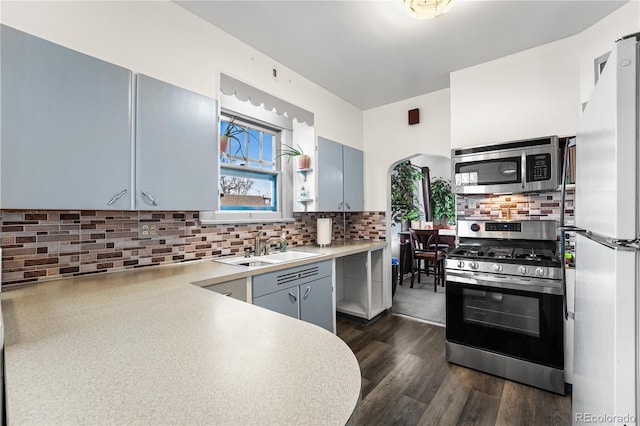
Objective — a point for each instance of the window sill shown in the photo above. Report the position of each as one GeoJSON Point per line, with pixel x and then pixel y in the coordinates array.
{"type": "Point", "coordinates": [204, 220]}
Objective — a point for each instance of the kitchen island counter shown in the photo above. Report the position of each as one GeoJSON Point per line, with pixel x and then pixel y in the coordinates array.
{"type": "Point", "coordinates": [148, 347]}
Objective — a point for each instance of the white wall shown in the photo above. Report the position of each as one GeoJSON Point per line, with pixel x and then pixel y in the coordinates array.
{"type": "Point", "coordinates": [529, 94]}
{"type": "Point", "coordinates": [438, 166]}
{"type": "Point", "coordinates": [165, 41]}
{"type": "Point", "coordinates": [599, 39]}
{"type": "Point", "coordinates": [536, 92]}
{"type": "Point", "coordinates": [389, 139]}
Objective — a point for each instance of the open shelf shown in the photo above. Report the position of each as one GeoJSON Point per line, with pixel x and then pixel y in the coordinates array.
{"type": "Point", "coordinates": [359, 289]}
{"type": "Point", "coordinates": [304, 202]}
{"type": "Point", "coordinates": [303, 173]}
{"type": "Point", "coordinates": [351, 307]}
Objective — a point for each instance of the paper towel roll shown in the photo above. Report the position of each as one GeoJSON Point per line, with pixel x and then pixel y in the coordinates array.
{"type": "Point", "coordinates": [323, 237]}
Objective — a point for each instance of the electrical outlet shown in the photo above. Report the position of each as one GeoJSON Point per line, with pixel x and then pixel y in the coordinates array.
{"type": "Point", "coordinates": [147, 230]}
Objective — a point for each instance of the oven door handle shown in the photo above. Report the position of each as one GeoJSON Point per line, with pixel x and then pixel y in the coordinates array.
{"type": "Point", "coordinates": [513, 283]}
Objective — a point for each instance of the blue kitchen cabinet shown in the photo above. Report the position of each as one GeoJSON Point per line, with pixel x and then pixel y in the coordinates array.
{"type": "Point", "coordinates": [340, 177]}
{"type": "Point", "coordinates": [303, 292]}
{"type": "Point", "coordinates": [330, 176]}
{"type": "Point", "coordinates": [236, 289]}
{"type": "Point", "coordinates": [316, 303]}
{"type": "Point", "coordinates": [353, 184]}
{"type": "Point", "coordinates": [282, 301]}
{"type": "Point", "coordinates": [66, 127]}
{"type": "Point", "coordinates": [176, 147]}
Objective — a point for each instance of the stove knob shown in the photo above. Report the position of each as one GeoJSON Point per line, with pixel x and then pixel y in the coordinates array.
{"type": "Point", "coordinates": [523, 270]}
{"type": "Point", "coordinates": [460, 264]}
{"type": "Point", "coordinates": [473, 265]}
{"type": "Point", "coordinates": [497, 267]}
{"type": "Point", "coordinates": [540, 272]}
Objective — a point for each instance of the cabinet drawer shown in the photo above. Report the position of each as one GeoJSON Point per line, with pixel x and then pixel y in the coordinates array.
{"type": "Point", "coordinates": [236, 289]}
{"type": "Point", "coordinates": [287, 278]}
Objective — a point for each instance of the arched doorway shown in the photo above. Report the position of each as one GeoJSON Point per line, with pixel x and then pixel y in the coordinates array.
{"type": "Point", "coordinates": [420, 302]}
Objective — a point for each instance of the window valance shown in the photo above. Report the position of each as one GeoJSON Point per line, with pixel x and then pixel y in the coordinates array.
{"type": "Point", "coordinates": [244, 92]}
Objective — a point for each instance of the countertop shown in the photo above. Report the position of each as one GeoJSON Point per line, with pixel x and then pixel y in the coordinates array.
{"type": "Point", "coordinates": [149, 347]}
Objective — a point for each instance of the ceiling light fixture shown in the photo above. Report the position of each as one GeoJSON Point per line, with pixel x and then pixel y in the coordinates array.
{"type": "Point", "coordinates": [427, 9]}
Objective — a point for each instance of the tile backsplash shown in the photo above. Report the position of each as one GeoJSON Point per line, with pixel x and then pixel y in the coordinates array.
{"type": "Point", "coordinates": [40, 245]}
{"type": "Point", "coordinates": [533, 206]}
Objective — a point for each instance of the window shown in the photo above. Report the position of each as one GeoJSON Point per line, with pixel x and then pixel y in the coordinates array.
{"type": "Point", "coordinates": [248, 169]}
{"type": "Point", "coordinates": [254, 185]}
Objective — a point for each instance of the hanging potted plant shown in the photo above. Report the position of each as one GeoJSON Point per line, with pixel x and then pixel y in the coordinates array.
{"type": "Point", "coordinates": [231, 133]}
{"type": "Point", "coordinates": [302, 160]}
{"type": "Point", "coordinates": [443, 201]}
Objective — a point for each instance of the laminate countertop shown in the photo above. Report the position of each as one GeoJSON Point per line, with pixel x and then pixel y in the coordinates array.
{"type": "Point", "coordinates": [149, 347]}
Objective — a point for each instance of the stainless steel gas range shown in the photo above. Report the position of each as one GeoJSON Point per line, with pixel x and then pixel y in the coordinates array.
{"type": "Point", "coordinates": [505, 302]}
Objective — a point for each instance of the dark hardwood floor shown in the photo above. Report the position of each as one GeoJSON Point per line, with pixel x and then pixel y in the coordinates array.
{"type": "Point", "coordinates": [406, 381]}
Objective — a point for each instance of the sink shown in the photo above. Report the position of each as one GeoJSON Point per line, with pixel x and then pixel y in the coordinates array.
{"type": "Point", "coordinates": [253, 263]}
{"type": "Point", "coordinates": [270, 259]}
{"type": "Point", "coordinates": [245, 261]}
{"type": "Point", "coordinates": [288, 256]}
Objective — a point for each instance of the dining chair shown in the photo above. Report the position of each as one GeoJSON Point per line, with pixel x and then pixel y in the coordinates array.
{"type": "Point", "coordinates": [427, 250]}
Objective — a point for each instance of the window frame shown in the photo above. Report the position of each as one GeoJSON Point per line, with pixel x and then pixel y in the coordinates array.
{"type": "Point", "coordinates": [283, 126]}
{"type": "Point", "coordinates": [262, 129]}
{"type": "Point", "coordinates": [243, 170]}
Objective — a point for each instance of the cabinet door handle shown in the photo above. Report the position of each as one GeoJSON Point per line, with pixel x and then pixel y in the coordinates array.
{"type": "Point", "coordinates": [149, 197]}
{"type": "Point", "coordinates": [348, 206]}
{"type": "Point", "coordinates": [293, 297]}
{"type": "Point", "coordinates": [227, 294]}
{"type": "Point", "coordinates": [306, 292]}
{"type": "Point", "coordinates": [117, 197]}
{"type": "Point", "coordinates": [340, 205]}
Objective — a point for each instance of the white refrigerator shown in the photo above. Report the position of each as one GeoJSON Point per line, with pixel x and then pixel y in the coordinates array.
{"type": "Point", "coordinates": [605, 382]}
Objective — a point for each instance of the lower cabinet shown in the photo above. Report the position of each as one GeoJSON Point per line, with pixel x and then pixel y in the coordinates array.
{"type": "Point", "coordinates": [316, 303]}
{"type": "Point", "coordinates": [283, 301]}
{"type": "Point", "coordinates": [303, 292]}
{"type": "Point", "coordinates": [236, 289]}
{"type": "Point", "coordinates": [359, 284]}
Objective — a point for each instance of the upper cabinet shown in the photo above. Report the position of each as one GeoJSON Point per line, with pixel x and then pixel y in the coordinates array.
{"type": "Point", "coordinates": [176, 148]}
{"type": "Point", "coordinates": [67, 134]}
{"type": "Point", "coordinates": [66, 127]}
{"type": "Point", "coordinates": [353, 179]}
{"type": "Point", "coordinates": [340, 177]}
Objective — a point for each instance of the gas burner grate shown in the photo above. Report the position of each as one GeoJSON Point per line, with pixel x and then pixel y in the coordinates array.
{"type": "Point", "coordinates": [500, 252]}
{"type": "Point", "coordinates": [473, 251]}
{"type": "Point", "coordinates": [534, 255]}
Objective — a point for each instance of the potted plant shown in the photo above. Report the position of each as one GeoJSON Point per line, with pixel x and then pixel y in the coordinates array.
{"type": "Point", "coordinates": [405, 206]}
{"type": "Point", "coordinates": [302, 159]}
{"type": "Point", "coordinates": [443, 201]}
{"type": "Point", "coordinates": [232, 132]}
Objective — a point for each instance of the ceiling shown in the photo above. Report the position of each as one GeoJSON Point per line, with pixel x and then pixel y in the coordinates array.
{"type": "Point", "coordinates": [371, 53]}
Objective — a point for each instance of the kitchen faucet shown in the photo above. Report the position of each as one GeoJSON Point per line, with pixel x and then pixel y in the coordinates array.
{"type": "Point", "coordinates": [260, 247]}
{"type": "Point", "coordinates": [256, 245]}
{"type": "Point", "coordinates": [267, 244]}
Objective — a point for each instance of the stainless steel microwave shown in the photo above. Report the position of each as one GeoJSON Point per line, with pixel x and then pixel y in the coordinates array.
{"type": "Point", "coordinates": [529, 165]}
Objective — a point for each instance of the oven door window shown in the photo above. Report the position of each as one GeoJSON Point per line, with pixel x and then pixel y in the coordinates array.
{"type": "Point", "coordinates": [493, 172]}
{"type": "Point", "coordinates": [506, 312]}
{"type": "Point", "coordinates": [519, 324]}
